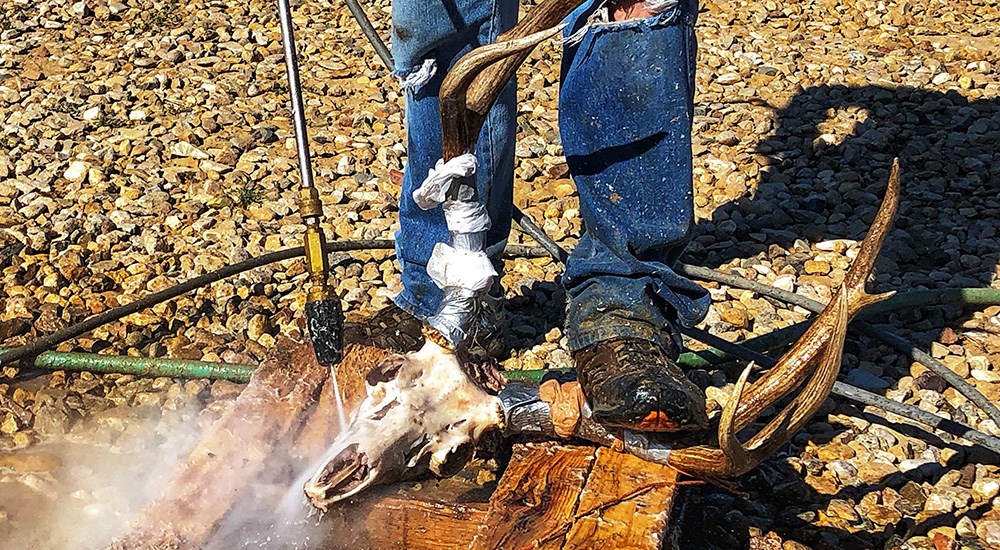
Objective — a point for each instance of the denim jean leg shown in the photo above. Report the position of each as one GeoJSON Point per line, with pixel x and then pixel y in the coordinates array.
{"type": "Point", "coordinates": [625, 110]}
{"type": "Point", "coordinates": [443, 31]}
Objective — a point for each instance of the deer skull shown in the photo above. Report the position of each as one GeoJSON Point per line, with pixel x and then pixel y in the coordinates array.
{"type": "Point", "coordinates": [422, 414]}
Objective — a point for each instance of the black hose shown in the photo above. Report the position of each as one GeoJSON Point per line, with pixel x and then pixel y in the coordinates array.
{"type": "Point", "coordinates": [369, 31]}
{"type": "Point", "coordinates": [529, 227]}
{"type": "Point", "coordinates": [901, 345]}
{"type": "Point", "coordinates": [49, 341]}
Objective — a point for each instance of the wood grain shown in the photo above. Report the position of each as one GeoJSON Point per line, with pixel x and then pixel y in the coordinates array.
{"type": "Point", "coordinates": [536, 498]}
{"type": "Point", "coordinates": [419, 525]}
{"type": "Point", "coordinates": [625, 503]}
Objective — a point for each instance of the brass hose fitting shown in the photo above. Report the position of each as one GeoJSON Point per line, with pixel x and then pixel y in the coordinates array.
{"type": "Point", "coordinates": [311, 210]}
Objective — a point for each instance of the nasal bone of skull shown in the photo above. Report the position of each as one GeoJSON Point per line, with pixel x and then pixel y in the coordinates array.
{"type": "Point", "coordinates": [315, 494]}
{"type": "Point", "coordinates": [336, 472]}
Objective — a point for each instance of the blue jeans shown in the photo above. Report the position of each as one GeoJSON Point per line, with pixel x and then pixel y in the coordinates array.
{"type": "Point", "coordinates": [625, 109]}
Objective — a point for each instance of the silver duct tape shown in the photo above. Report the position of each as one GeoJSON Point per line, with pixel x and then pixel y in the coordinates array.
{"type": "Point", "coordinates": [660, 6]}
{"type": "Point", "coordinates": [473, 242]}
{"type": "Point", "coordinates": [454, 316]}
{"type": "Point", "coordinates": [465, 274]}
{"type": "Point", "coordinates": [641, 446]}
{"type": "Point", "coordinates": [524, 412]}
{"type": "Point", "coordinates": [592, 431]}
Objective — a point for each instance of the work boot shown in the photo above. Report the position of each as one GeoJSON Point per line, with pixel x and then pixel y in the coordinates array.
{"type": "Point", "coordinates": [392, 328]}
{"type": "Point", "coordinates": [395, 329]}
{"type": "Point", "coordinates": [635, 384]}
{"type": "Point", "coordinates": [487, 335]}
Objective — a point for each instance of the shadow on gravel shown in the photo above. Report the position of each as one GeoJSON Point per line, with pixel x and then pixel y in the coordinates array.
{"type": "Point", "coordinates": [534, 308]}
{"type": "Point", "coordinates": [820, 187]}
{"type": "Point", "coordinates": [817, 187]}
{"type": "Point", "coordinates": [780, 501]}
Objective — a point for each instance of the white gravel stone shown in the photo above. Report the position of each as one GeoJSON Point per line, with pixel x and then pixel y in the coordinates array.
{"type": "Point", "coordinates": [77, 171]}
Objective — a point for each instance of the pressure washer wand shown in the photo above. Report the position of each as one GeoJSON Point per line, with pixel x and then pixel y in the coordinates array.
{"type": "Point", "coordinates": [324, 315]}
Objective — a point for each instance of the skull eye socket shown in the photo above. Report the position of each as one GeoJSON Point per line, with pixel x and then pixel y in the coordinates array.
{"type": "Point", "coordinates": [456, 460]}
{"type": "Point", "coordinates": [385, 371]}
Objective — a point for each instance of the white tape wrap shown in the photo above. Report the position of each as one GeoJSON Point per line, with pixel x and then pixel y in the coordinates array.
{"type": "Point", "coordinates": [466, 217]}
{"type": "Point", "coordinates": [434, 188]}
{"type": "Point", "coordinates": [452, 268]}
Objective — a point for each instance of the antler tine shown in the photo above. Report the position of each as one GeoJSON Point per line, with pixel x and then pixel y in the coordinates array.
{"type": "Point", "coordinates": [872, 243]}
{"type": "Point", "coordinates": [821, 346]}
{"type": "Point", "coordinates": [792, 368]}
{"type": "Point", "coordinates": [730, 446]}
{"type": "Point", "coordinates": [794, 416]}
{"type": "Point", "coordinates": [460, 125]}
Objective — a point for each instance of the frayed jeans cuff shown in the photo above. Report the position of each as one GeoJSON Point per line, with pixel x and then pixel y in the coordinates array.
{"type": "Point", "coordinates": [637, 330]}
{"type": "Point", "coordinates": [414, 78]}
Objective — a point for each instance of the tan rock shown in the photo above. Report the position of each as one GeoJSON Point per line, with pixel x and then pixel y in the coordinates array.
{"type": "Point", "coordinates": [814, 267]}
{"type": "Point", "coordinates": [737, 317]}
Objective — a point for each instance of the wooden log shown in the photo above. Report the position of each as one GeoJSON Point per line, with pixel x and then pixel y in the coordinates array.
{"type": "Point", "coordinates": [226, 460]}
{"type": "Point", "coordinates": [420, 525]}
{"type": "Point", "coordinates": [322, 420]}
{"type": "Point", "coordinates": [626, 503]}
{"type": "Point", "coordinates": [560, 497]}
{"type": "Point", "coordinates": [550, 496]}
{"type": "Point", "coordinates": [536, 498]}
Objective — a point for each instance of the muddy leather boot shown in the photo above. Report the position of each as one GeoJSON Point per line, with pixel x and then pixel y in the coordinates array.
{"type": "Point", "coordinates": [395, 329]}
{"type": "Point", "coordinates": [633, 383]}
{"type": "Point", "coordinates": [391, 328]}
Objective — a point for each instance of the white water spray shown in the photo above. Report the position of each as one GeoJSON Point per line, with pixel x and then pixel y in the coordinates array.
{"type": "Point", "coordinates": [338, 402]}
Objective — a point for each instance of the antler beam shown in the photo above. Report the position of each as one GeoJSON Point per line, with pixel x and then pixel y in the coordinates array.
{"type": "Point", "coordinates": [473, 84]}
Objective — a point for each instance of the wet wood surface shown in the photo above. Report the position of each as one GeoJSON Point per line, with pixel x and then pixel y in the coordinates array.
{"type": "Point", "coordinates": [536, 498]}
{"type": "Point", "coordinates": [321, 420]}
{"type": "Point", "coordinates": [416, 524]}
{"type": "Point", "coordinates": [552, 496]}
{"type": "Point", "coordinates": [625, 503]}
{"type": "Point", "coordinates": [221, 467]}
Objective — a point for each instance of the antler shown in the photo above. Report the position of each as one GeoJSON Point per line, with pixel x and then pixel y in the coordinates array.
{"type": "Point", "coordinates": [473, 84]}
{"type": "Point", "coordinates": [818, 352]}
{"type": "Point", "coordinates": [821, 346]}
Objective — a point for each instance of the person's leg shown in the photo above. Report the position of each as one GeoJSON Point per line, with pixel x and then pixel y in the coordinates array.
{"type": "Point", "coordinates": [625, 112]}
{"type": "Point", "coordinates": [442, 32]}
{"type": "Point", "coordinates": [428, 37]}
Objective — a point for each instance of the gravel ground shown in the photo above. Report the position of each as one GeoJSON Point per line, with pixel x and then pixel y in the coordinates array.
{"type": "Point", "coordinates": [144, 143]}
